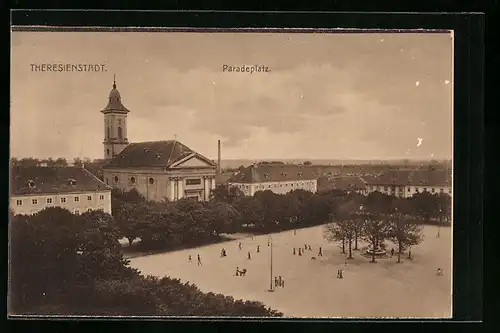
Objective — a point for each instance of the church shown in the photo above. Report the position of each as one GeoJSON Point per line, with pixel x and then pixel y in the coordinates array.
{"type": "Point", "coordinates": [158, 170]}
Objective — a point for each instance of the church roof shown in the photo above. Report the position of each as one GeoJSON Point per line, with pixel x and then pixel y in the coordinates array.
{"type": "Point", "coordinates": [262, 173]}
{"type": "Point", "coordinates": [115, 102]}
{"type": "Point", "coordinates": [48, 180]}
{"type": "Point", "coordinates": [152, 154]}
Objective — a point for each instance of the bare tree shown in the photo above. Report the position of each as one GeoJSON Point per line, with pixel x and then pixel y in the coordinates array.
{"type": "Point", "coordinates": [375, 231]}
{"type": "Point", "coordinates": [358, 227]}
{"type": "Point", "coordinates": [335, 232]}
{"type": "Point", "coordinates": [404, 233]}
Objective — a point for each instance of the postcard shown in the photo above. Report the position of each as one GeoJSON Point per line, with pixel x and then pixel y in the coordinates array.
{"type": "Point", "coordinates": [197, 173]}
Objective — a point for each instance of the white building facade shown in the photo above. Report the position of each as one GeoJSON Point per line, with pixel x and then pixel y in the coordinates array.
{"type": "Point", "coordinates": [279, 179]}
{"type": "Point", "coordinates": [162, 170]}
{"type": "Point", "coordinates": [75, 189]}
{"type": "Point", "coordinates": [407, 183]}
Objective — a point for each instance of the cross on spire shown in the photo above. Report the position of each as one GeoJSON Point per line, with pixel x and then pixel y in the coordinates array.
{"type": "Point", "coordinates": [175, 137]}
{"type": "Point", "coordinates": [114, 81]}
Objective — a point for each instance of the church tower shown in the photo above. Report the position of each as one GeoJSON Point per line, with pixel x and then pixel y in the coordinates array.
{"type": "Point", "coordinates": [115, 124]}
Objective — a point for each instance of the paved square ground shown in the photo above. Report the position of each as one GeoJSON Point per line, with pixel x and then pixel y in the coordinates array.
{"type": "Point", "coordinates": [383, 289]}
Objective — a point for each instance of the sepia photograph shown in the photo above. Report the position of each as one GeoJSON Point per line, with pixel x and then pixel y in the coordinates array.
{"type": "Point", "coordinates": [233, 173]}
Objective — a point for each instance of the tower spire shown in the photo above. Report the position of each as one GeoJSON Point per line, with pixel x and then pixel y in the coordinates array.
{"type": "Point", "coordinates": [114, 81]}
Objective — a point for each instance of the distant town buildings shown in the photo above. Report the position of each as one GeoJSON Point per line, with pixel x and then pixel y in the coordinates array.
{"type": "Point", "coordinates": [73, 188]}
{"type": "Point", "coordinates": [158, 170]}
{"type": "Point", "coordinates": [278, 178]}
{"type": "Point", "coordinates": [408, 182]}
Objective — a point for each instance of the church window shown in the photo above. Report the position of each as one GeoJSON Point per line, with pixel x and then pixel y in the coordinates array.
{"type": "Point", "coordinates": [108, 135]}
{"type": "Point", "coordinates": [151, 180]}
{"type": "Point", "coordinates": [19, 202]}
{"type": "Point", "coordinates": [101, 197]}
{"type": "Point", "coordinates": [63, 200]}
{"type": "Point", "coordinates": [34, 201]}
{"type": "Point", "coordinates": [132, 180]}
{"type": "Point", "coordinates": [116, 179]}
{"type": "Point", "coordinates": [89, 197]}
{"type": "Point", "coordinates": [120, 134]}
{"type": "Point", "coordinates": [77, 199]}
{"type": "Point", "coordinates": [49, 200]}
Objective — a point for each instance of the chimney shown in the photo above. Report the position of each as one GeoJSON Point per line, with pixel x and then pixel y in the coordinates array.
{"type": "Point", "coordinates": [218, 157]}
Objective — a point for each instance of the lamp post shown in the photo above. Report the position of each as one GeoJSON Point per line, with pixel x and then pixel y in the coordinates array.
{"type": "Point", "coordinates": [440, 221]}
{"type": "Point", "coordinates": [398, 233]}
{"type": "Point", "coordinates": [271, 266]}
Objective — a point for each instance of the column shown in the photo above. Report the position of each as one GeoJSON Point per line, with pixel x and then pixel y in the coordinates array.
{"type": "Point", "coordinates": [171, 196]}
{"type": "Point", "coordinates": [212, 180]}
{"type": "Point", "coordinates": [180, 189]}
{"type": "Point", "coordinates": [206, 188]}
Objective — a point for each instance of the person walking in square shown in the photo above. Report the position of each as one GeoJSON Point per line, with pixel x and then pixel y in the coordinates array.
{"type": "Point", "coordinates": [392, 252]}
{"type": "Point", "coordinates": [249, 256]}
{"type": "Point", "coordinates": [275, 281]}
{"type": "Point", "coordinates": [300, 252]}
{"type": "Point", "coordinates": [237, 271]}
{"type": "Point", "coordinates": [190, 259]}
{"type": "Point", "coordinates": [294, 253]}
{"type": "Point", "coordinates": [320, 253]}
{"type": "Point", "coordinates": [199, 260]}
{"type": "Point", "coordinates": [283, 283]}
{"type": "Point", "coordinates": [280, 280]}
{"type": "Point", "coordinates": [258, 248]}
{"type": "Point", "coordinates": [239, 245]}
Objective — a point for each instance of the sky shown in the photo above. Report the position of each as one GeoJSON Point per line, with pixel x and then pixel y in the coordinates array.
{"type": "Point", "coordinates": [326, 96]}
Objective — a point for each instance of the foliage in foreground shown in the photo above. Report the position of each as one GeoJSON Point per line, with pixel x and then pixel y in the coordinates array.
{"type": "Point", "coordinates": [66, 264]}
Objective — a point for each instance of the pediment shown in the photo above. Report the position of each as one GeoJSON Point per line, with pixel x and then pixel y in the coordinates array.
{"type": "Point", "coordinates": [192, 162]}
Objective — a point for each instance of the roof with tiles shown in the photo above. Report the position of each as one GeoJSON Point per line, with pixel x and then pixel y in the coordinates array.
{"type": "Point", "coordinates": [345, 183]}
{"type": "Point", "coordinates": [274, 173]}
{"type": "Point", "coordinates": [153, 154]}
{"type": "Point", "coordinates": [413, 178]}
{"type": "Point", "coordinates": [47, 180]}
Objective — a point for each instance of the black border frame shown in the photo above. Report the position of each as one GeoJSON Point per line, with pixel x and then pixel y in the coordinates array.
{"type": "Point", "coordinates": [468, 110]}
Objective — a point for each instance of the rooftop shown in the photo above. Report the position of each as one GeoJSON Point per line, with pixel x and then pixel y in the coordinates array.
{"type": "Point", "coordinates": [345, 183]}
{"type": "Point", "coordinates": [273, 173]}
{"type": "Point", "coordinates": [47, 180]}
{"type": "Point", "coordinates": [115, 102]}
{"type": "Point", "coordinates": [153, 154]}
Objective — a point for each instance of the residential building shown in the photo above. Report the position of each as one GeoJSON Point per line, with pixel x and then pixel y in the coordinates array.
{"type": "Point", "coordinates": [405, 183]}
{"type": "Point", "coordinates": [158, 170]}
{"type": "Point", "coordinates": [278, 178]}
{"type": "Point", "coordinates": [74, 188]}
